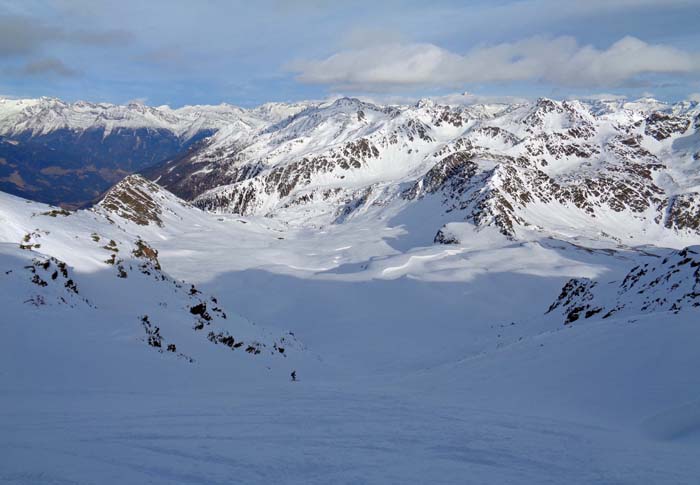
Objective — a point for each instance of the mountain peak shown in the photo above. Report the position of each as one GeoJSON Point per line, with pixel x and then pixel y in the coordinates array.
{"type": "Point", "coordinates": [547, 104]}
{"type": "Point", "coordinates": [137, 199]}
{"type": "Point", "coordinates": [425, 103]}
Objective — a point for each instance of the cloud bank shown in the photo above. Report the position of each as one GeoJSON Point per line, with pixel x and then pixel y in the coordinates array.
{"type": "Point", "coordinates": [21, 35]}
{"type": "Point", "coordinates": [47, 67]}
{"type": "Point", "coordinates": [559, 60]}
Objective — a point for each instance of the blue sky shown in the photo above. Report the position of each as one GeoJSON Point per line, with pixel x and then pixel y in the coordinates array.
{"type": "Point", "coordinates": [249, 52]}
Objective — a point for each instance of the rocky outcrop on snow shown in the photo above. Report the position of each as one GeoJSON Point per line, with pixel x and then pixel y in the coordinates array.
{"type": "Point", "coordinates": [672, 283]}
{"type": "Point", "coordinates": [52, 283]}
{"type": "Point", "coordinates": [683, 212]}
{"type": "Point", "coordinates": [140, 201]}
{"type": "Point", "coordinates": [662, 126]}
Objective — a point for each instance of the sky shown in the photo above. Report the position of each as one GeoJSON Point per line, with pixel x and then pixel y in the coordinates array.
{"type": "Point", "coordinates": [179, 52]}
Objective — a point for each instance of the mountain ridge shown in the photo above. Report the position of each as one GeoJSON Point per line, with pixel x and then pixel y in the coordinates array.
{"type": "Point", "coordinates": [579, 161]}
{"type": "Point", "coordinates": [545, 165]}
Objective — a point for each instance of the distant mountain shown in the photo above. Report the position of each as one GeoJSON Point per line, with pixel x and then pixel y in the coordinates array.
{"type": "Point", "coordinates": [69, 153]}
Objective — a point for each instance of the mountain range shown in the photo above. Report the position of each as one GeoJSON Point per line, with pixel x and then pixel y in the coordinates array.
{"type": "Point", "coordinates": [625, 171]}
{"type": "Point", "coordinates": [499, 291]}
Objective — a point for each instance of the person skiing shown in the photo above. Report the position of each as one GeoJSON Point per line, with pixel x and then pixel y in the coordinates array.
{"type": "Point", "coordinates": [294, 376]}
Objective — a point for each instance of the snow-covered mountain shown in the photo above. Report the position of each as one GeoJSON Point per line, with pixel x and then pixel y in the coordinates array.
{"type": "Point", "coordinates": [460, 291]}
{"type": "Point", "coordinates": [625, 171]}
{"type": "Point", "coordinates": [621, 170]}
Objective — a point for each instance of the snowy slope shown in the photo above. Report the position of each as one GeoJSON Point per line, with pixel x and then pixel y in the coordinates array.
{"type": "Point", "coordinates": [426, 362]}
{"type": "Point", "coordinates": [87, 266]}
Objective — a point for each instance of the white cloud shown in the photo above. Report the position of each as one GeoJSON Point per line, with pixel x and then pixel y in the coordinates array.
{"type": "Point", "coordinates": [466, 99]}
{"type": "Point", "coordinates": [558, 60]}
{"type": "Point", "coordinates": [598, 96]}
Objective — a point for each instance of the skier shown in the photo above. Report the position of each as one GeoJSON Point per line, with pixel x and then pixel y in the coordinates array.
{"type": "Point", "coordinates": [294, 376]}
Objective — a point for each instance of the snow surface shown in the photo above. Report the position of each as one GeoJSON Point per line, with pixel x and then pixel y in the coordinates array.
{"type": "Point", "coordinates": [416, 362]}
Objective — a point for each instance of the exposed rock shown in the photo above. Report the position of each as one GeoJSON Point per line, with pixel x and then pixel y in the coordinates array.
{"type": "Point", "coordinates": [671, 284]}
{"type": "Point", "coordinates": [684, 212]}
{"type": "Point", "coordinates": [662, 125]}
{"type": "Point", "coordinates": [132, 199]}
